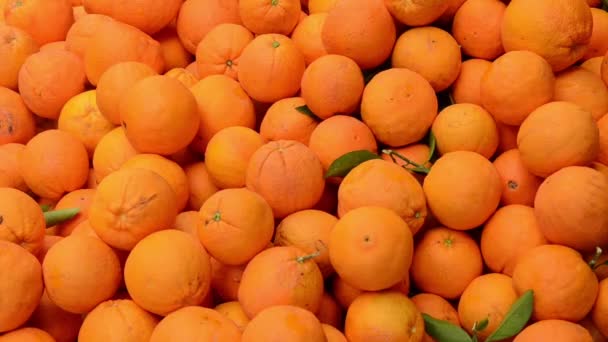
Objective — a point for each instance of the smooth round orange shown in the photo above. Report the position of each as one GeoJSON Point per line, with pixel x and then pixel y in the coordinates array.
{"type": "Point", "coordinates": [197, 17]}
{"type": "Point", "coordinates": [603, 150]}
{"type": "Point", "coordinates": [507, 137]}
{"type": "Point", "coordinates": [80, 34]}
{"type": "Point", "coordinates": [553, 330]}
{"type": "Point", "coordinates": [332, 85]}
{"type": "Point", "coordinates": [112, 150]}
{"type": "Point", "coordinates": [225, 280]}
{"type": "Point", "coordinates": [54, 162]}
{"type": "Point", "coordinates": [279, 322]}
{"type": "Point", "coordinates": [17, 123]}
{"type": "Point", "coordinates": [515, 84]}
{"type": "Point", "coordinates": [80, 272]}
{"type": "Point", "coordinates": [60, 324]}
{"type": "Point", "coordinates": [200, 184]}
{"type": "Point", "coordinates": [409, 98]}
{"type": "Point", "coordinates": [54, 46]}
{"type": "Point", "coordinates": [277, 16]}
{"type": "Point", "coordinates": [489, 296]}
{"type": "Point", "coordinates": [462, 189]}
{"type": "Point", "coordinates": [22, 279]}
{"type": "Point", "coordinates": [362, 30]}
{"type": "Point", "coordinates": [332, 334]}
{"type": "Point", "coordinates": [193, 69]}
{"type": "Point", "coordinates": [344, 292]}
{"type": "Point", "coordinates": [556, 135]}
{"type": "Point", "coordinates": [10, 174]}
{"type": "Point", "coordinates": [330, 312]}
{"type": "Point", "coordinates": [519, 185]}
{"type": "Point", "coordinates": [320, 6]}
{"type": "Point", "coordinates": [271, 68]}
{"type": "Point", "coordinates": [81, 199]}
{"type": "Point", "coordinates": [237, 225]}
{"type": "Point", "coordinates": [81, 117]}
{"type": "Point", "coordinates": [283, 121]}
{"type": "Point", "coordinates": [431, 52]}
{"type": "Point", "coordinates": [301, 184]}
{"type": "Point", "coordinates": [228, 153]}
{"type": "Point", "coordinates": [16, 46]}
{"type": "Point", "coordinates": [503, 243]}
{"type": "Point", "coordinates": [131, 204]}
{"type": "Point", "coordinates": [564, 285]}
{"type": "Point", "coordinates": [21, 220]}
{"type": "Point", "coordinates": [307, 36]}
{"type": "Point", "coordinates": [445, 262]}
{"type": "Point", "coordinates": [597, 43]}
{"type": "Point", "coordinates": [222, 103]}
{"type": "Point", "coordinates": [173, 51]}
{"type": "Point", "coordinates": [166, 168]}
{"type": "Point", "coordinates": [27, 334]}
{"type": "Point", "coordinates": [578, 220]}
{"type": "Point", "coordinates": [48, 79]}
{"type": "Point", "coordinates": [234, 311]}
{"type": "Point", "coordinates": [416, 13]}
{"type": "Point", "coordinates": [466, 88]}
{"type": "Point", "coordinates": [165, 125]}
{"type": "Point", "coordinates": [115, 82]}
{"type": "Point", "coordinates": [185, 282]}
{"type": "Point", "coordinates": [477, 28]}
{"type": "Point", "coordinates": [387, 315]}
{"type": "Point", "coordinates": [193, 323]}
{"type": "Point", "coordinates": [583, 88]}
{"type": "Point", "coordinates": [189, 222]}
{"type": "Point", "coordinates": [522, 29]}
{"type": "Point", "coordinates": [371, 248]}
{"type": "Point", "coordinates": [219, 52]}
{"type": "Point", "coordinates": [46, 21]}
{"type": "Point", "coordinates": [436, 307]}
{"type": "Point", "coordinates": [594, 65]}
{"type": "Point", "coordinates": [465, 127]}
{"type": "Point", "coordinates": [600, 308]}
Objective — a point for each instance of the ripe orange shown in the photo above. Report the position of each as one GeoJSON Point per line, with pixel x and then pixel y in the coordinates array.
{"type": "Point", "coordinates": [436, 307]}
{"type": "Point", "coordinates": [220, 50]}
{"type": "Point", "coordinates": [417, 13]}
{"type": "Point", "coordinates": [173, 51]}
{"type": "Point", "coordinates": [234, 311]}
{"type": "Point", "coordinates": [584, 88]}
{"type": "Point", "coordinates": [225, 280]}
{"type": "Point", "coordinates": [466, 88]}
{"type": "Point", "coordinates": [112, 150]}
{"type": "Point", "coordinates": [46, 21]}
{"type": "Point", "coordinates": [477, 28]}
{"type": "Point", "coordinates": [307, 36]}
{"type": "Point", "coordinates": [81, 32]}
{"type": "Point", "coordinates": [200, 185]}
{"type": "Point", "coordinates": [332, 334]}
{"type": "Point", "coordinates": [27, 334]}
{"type": "Point", "coordinates": [283, 121]}
{"type": "Point", "coordinates": [597, 43]}
{"type": "Point", "coordinates": [594, 65]}
{"type": "Point", "coordinates": [10, 175]}
{"type": "Point", "coordinates": [193, 323]}
{"type": "Point", "coordinates": [553, 330]}
{"type": "Point", "coordinates": [16, 46]}
{"type": "Point", "coordinates": [277, 16]}
{"type": "Point", "coordinates": [80, 199]}
{"type": "Point", "coordinates": [519, 185]}
{"type": "Point", "coordinates": [60, 324]}
{"type": "Point", "coordinates": [17, 124]}
{"type": "Point", "coordinates": [284, 323]}
{"type": "Point", "coordinates": [330, 312]}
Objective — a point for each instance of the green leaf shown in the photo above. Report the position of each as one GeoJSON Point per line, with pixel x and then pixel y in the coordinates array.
{"type": "Point", "coordinates": [444, 331]}
{"type": "Point", "coordinates": [516, 319]}
{"type": "Point", "coordinates": [306, 111]}
{"type": "Point", "coordinates": [55, 217]}
{"type": "Point", "coordinates": [45, 207]}
{"type": "Point", "coordinates": [432, 145]}
{"type": "Point", "coordinates": [342, 166]}
{"type": "Point", "coordinates": [605, 5]}
{"type": "Point", "coordinates": [481, 325]}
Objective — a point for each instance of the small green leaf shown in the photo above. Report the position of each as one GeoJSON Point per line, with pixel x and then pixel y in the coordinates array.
{"type": "Point", "coordinates": [481, 325]}
{"type": "Point", "coordinates": [444, 331]}
{"type": "Point", "coordinates": [45, 207]}
{"type": "Point", "coordinates": [516, 319]}
{"type": "Point", "coordinates": [59, 216]}
{"type": "Point", "coordinates": [432, 145]}
{"type": "Point", "coordinates": [306, 111]}
{"type": "Point", "coordinates": [342, 166]}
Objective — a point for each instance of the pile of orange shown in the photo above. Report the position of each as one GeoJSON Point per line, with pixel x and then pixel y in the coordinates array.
{"type": "Point", "coordinates": [303, 170]}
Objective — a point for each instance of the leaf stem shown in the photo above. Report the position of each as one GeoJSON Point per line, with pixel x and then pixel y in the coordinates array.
{"type": "Point", "coordinates": [416, 167]}
{"type": "Point", "coordinates": [596, 257]}
{"type": "Point", "coordinates": [305, 258]}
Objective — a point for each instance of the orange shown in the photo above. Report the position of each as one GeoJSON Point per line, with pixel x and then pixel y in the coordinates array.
{"type": "Point", "coordinates": [431, 52]}
{"type": "Point", "coordinates": [465, 127]}
{"type": "Point", "coordinates": [21, 220]}
{"type": "Point", "coordinates": [477, 28]}
{"type": "Point", "coordinates": [331, 85]}
{"type": "Point", "coordinates": [225, 280]}
{"type": "Point", "coordinates": [300, 184]}
{"type": "Point", "coordinates": [81, 117]}
{"type": "Point", "coordinates": [166, 168]}
{"type": "Point", "coordinates": [189, 222]}
{"type": "Point", "coordinates": [553, 330]}
{"type": "Point", "coordinates": [80, 272]}
{"type": "Point", "coordinates": [408, 97]}
{"type": "Point", "coordinates": [507, 137]}
{"type": "Point", "coordinates": [17, 124]}
{"type": "Point", "coordinates": [466, 88]}
{"type": "Point", "coordinates": [386, 315]}
{"type": "Point", "coordinates": [603, 150]}
{"type": "Point", "coordinates": [112, 150]}
{"type": "Point", "coordinates": [600, 308]}
{"type": "Point", "coordinates": [283, 121]}
{"type": "Point", "coordinates": [48, 79]}
{"type": "Point", "coordinates": [277, 16]}
{"type": "Point", "coordinates": [564, 285]}
{"type": "Point", "coordinates": [27, 334]}
{"type": "Point", "coordinates": [59, 45]}
{"type": "Point", "coordinates": [271, 68]}
{"type": "Point", "coordinates": [114, 83]}
{"type": "Point", "coordinates": [237, 225]}
{"type": "Point", "coordinates": [193, 323]}
{"type": "Point", "coordinates": [15, 47]}
{"type": "Point", "coordinates": [519, 185]}
{"type": "Point", "coordinates": [594, 64]}
{"type": "Point", "coordinates": [80, 33]}
{"type": "Point", "coordinates": [462, 189]}
{"type": "Point", "coordinates": [588, 324]}
{"type": "Point", "coordinates": [344, 292]}
{"type": "Point", "coordinates": [436, 307]}
{"type": "Point", "coordinates": [46, 21]}
{"type": "Point", "coordinates": [308, 230]}
{"type": "Point", "coordinates": [47, 242]}
{"type": "Point", "coordinates": [556, 135]}
{"type": "Point", "coordinates": [560, 47]}
{"type": "Point", "coordinates": [401, 192]}
{"type": "Point", "coordinates": [371, 248]}
{"type": "Point", "coordinates": [284, 323]}
{"type": "Point", "coordinates": [130, 204]}
{"type": "Point", "coordinates": [182, 75]}
{"type": "Point", "coordinates": [597, 43]}
{"type": "Point", "coordinates": [222, 103]}
{"type": "Point", "coordinates": [200, 185]}
{"type": "Point", "coordinates": [54, 162]}
{"type": "Point", "coordinates": [228, 153]}
{"type": "Point", "coordinates": [173, 51]}
{"type": "Point", "coordinates": [320, 6]}
{"type": "Point", "coordinates": [60, 324]}
{"type": "Point", "coordinates": [219, 52]}
{"type": "Point", "coordinates": [165, 125]}
{"type": "Point", "coordinates": [332, 334]}
{"type": "Point", "coordinates": [450, 12]}
{"type": "Point", "coordinates": [307, 36]}
{"type": "Point", "coordinates": [503, 243]}
{"type": "Point", "coordinates": [10, 175]}
{"type": "Point", "coordinates": [330, 312]}
{"type": "Point", "coordinates": [515, 84]}
{"type": "Point", "coordinates": [80, 199]}
{"type": "Point", "coordinates": [445, 262]}
{"type": "Point", "coordinates": [362, 30]}
{"type": "Point", "coordinates": [178, 267]}
{"type": "Point", "coordinates": [417, 153]}
{"type": "Point", "coordinates": [583, 88]}
{"type": "Point", "coordinates": [416, 13]}
{"type": "Point", "coordinates": [586, 224]}
{"type": "Point", "coordinates": [234, 311]}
